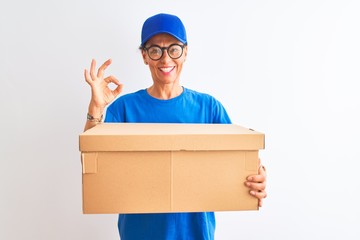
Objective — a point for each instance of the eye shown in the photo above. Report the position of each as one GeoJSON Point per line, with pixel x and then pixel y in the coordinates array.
{"type": "Point", "coordinates": [175, 50]}
{"type": "Point", "coordinates": [154, 51]}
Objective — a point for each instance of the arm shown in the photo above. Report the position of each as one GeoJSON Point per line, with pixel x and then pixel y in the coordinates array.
{"type": "Point", "coordinates": [101, 94]}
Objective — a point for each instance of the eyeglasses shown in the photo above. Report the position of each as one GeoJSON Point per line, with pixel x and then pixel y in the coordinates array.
{"type": "Point", "coordinates": [156, 52]}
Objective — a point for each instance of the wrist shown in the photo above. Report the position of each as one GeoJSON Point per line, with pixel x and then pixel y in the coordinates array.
{"type": "Point", "coordinates": [95, 111]}
{"type": "Point", "coordinates": [91, 118]}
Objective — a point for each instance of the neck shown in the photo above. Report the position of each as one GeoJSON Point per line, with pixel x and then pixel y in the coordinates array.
{"type": "Point", "coordinates": [165, 92]}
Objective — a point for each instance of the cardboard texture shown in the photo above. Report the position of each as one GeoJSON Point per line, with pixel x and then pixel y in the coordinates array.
{"type": "Point", "coordinates": [156, 168]}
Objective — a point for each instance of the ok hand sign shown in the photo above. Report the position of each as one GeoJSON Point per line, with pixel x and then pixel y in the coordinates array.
{"type": "Point", "coordinates": [101, 94]}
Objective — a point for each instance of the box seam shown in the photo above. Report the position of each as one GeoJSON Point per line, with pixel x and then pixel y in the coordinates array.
{"type": "Point", "coordinates": [171, 181]}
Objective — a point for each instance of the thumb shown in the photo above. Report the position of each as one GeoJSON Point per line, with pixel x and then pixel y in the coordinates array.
{"type": "Point", "coordinates": [262, 170]}
{"type": "Point", "coordinates": [117, 90]}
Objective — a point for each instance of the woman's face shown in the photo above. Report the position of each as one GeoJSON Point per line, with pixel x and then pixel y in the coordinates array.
{"type": "Point", "coordinates": [165, 70]}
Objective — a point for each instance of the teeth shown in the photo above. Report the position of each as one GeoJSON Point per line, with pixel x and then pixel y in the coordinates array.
{"type": "Point", "coordinates": [167, 69]}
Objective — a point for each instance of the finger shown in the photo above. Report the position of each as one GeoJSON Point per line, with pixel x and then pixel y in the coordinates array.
{"type": "Point", "coordinates": [256, 186]}
{"type": "Point", "coordinates": [260, 202]}
{"type": "Point", "coordinates": [117, 90]}
{"type": "Point", "coordinates": [102, 68]}
{"type": "Point", "coordinates": [92, 69]}
{"type": "Point", "coordinates": [119, 87]}
{"type": "Point", "coordinates": [87, 77]}
{"type": "Point", "coordinates": [256, 178]}
{"type": "Point", "coordinates": [262, 170]}
{"type": "Point", "coordinates": [112, 79]}
{"type": "Point", "coordinates": [258, 194]}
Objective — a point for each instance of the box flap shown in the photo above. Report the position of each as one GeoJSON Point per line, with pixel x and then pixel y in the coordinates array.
{"type": "Point", "coordinates": [169, 137]}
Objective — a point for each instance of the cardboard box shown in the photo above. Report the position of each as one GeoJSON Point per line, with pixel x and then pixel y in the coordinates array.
{"type": "Point", "coordinates": [155, 168]}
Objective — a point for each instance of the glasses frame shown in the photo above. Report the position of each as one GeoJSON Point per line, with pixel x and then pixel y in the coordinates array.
{"type": "Point", "coordinates": [163, 49]}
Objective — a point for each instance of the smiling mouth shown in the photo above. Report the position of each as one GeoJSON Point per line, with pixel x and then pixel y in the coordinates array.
{"type": "Point", "coordinates": [166, 69]}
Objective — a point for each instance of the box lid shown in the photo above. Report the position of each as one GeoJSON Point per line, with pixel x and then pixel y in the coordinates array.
{"type": "Point", "coordinates": [169, 137]}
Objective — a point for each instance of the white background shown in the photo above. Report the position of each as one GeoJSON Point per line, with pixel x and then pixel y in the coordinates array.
{"type": "Point", "coordinates": [287, 68]}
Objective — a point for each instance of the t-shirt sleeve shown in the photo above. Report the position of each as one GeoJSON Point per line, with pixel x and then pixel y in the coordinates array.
{"type": "Point", "coordinates": [112, 113]}
{"type": "Point", "coordinates": [219, 113]}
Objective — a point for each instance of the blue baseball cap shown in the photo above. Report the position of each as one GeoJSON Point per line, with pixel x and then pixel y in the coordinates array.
{"type": "Point", "coordinates": [163, 23]}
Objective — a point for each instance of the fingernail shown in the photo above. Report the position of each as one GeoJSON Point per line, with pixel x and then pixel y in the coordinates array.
{"type": "Point", "coordinates": [250, 178]}
{"type": "Point", "coordinates": [252, 193]}
{"type": "Point", "coordinates": [247, 184]}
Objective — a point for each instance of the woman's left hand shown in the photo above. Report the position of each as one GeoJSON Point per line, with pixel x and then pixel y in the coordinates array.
{"type": "Point", "coordinates": [257, 185]}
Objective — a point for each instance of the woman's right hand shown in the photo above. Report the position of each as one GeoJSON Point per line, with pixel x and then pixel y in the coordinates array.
{"type": "Point", "coordinates": [101, 94]}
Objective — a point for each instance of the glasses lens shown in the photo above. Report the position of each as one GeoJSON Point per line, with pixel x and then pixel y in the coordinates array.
{"type": "Point", "coordinates": [175, 51]}
{"type": "Point", "coordinates": [155, 52]}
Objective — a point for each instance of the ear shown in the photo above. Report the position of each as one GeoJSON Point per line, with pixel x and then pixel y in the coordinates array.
{"type": "Point", "coordinates": [185, 52]}
{"type": "Point", "coordinates": [144, 56]}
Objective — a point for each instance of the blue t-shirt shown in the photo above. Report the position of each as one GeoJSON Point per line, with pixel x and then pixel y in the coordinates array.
{"type": "Point", "coordinates": [188, 107]}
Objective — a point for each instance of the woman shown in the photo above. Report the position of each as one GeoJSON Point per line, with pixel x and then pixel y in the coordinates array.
{"type": "Point", "coordinates": [164, 50]}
